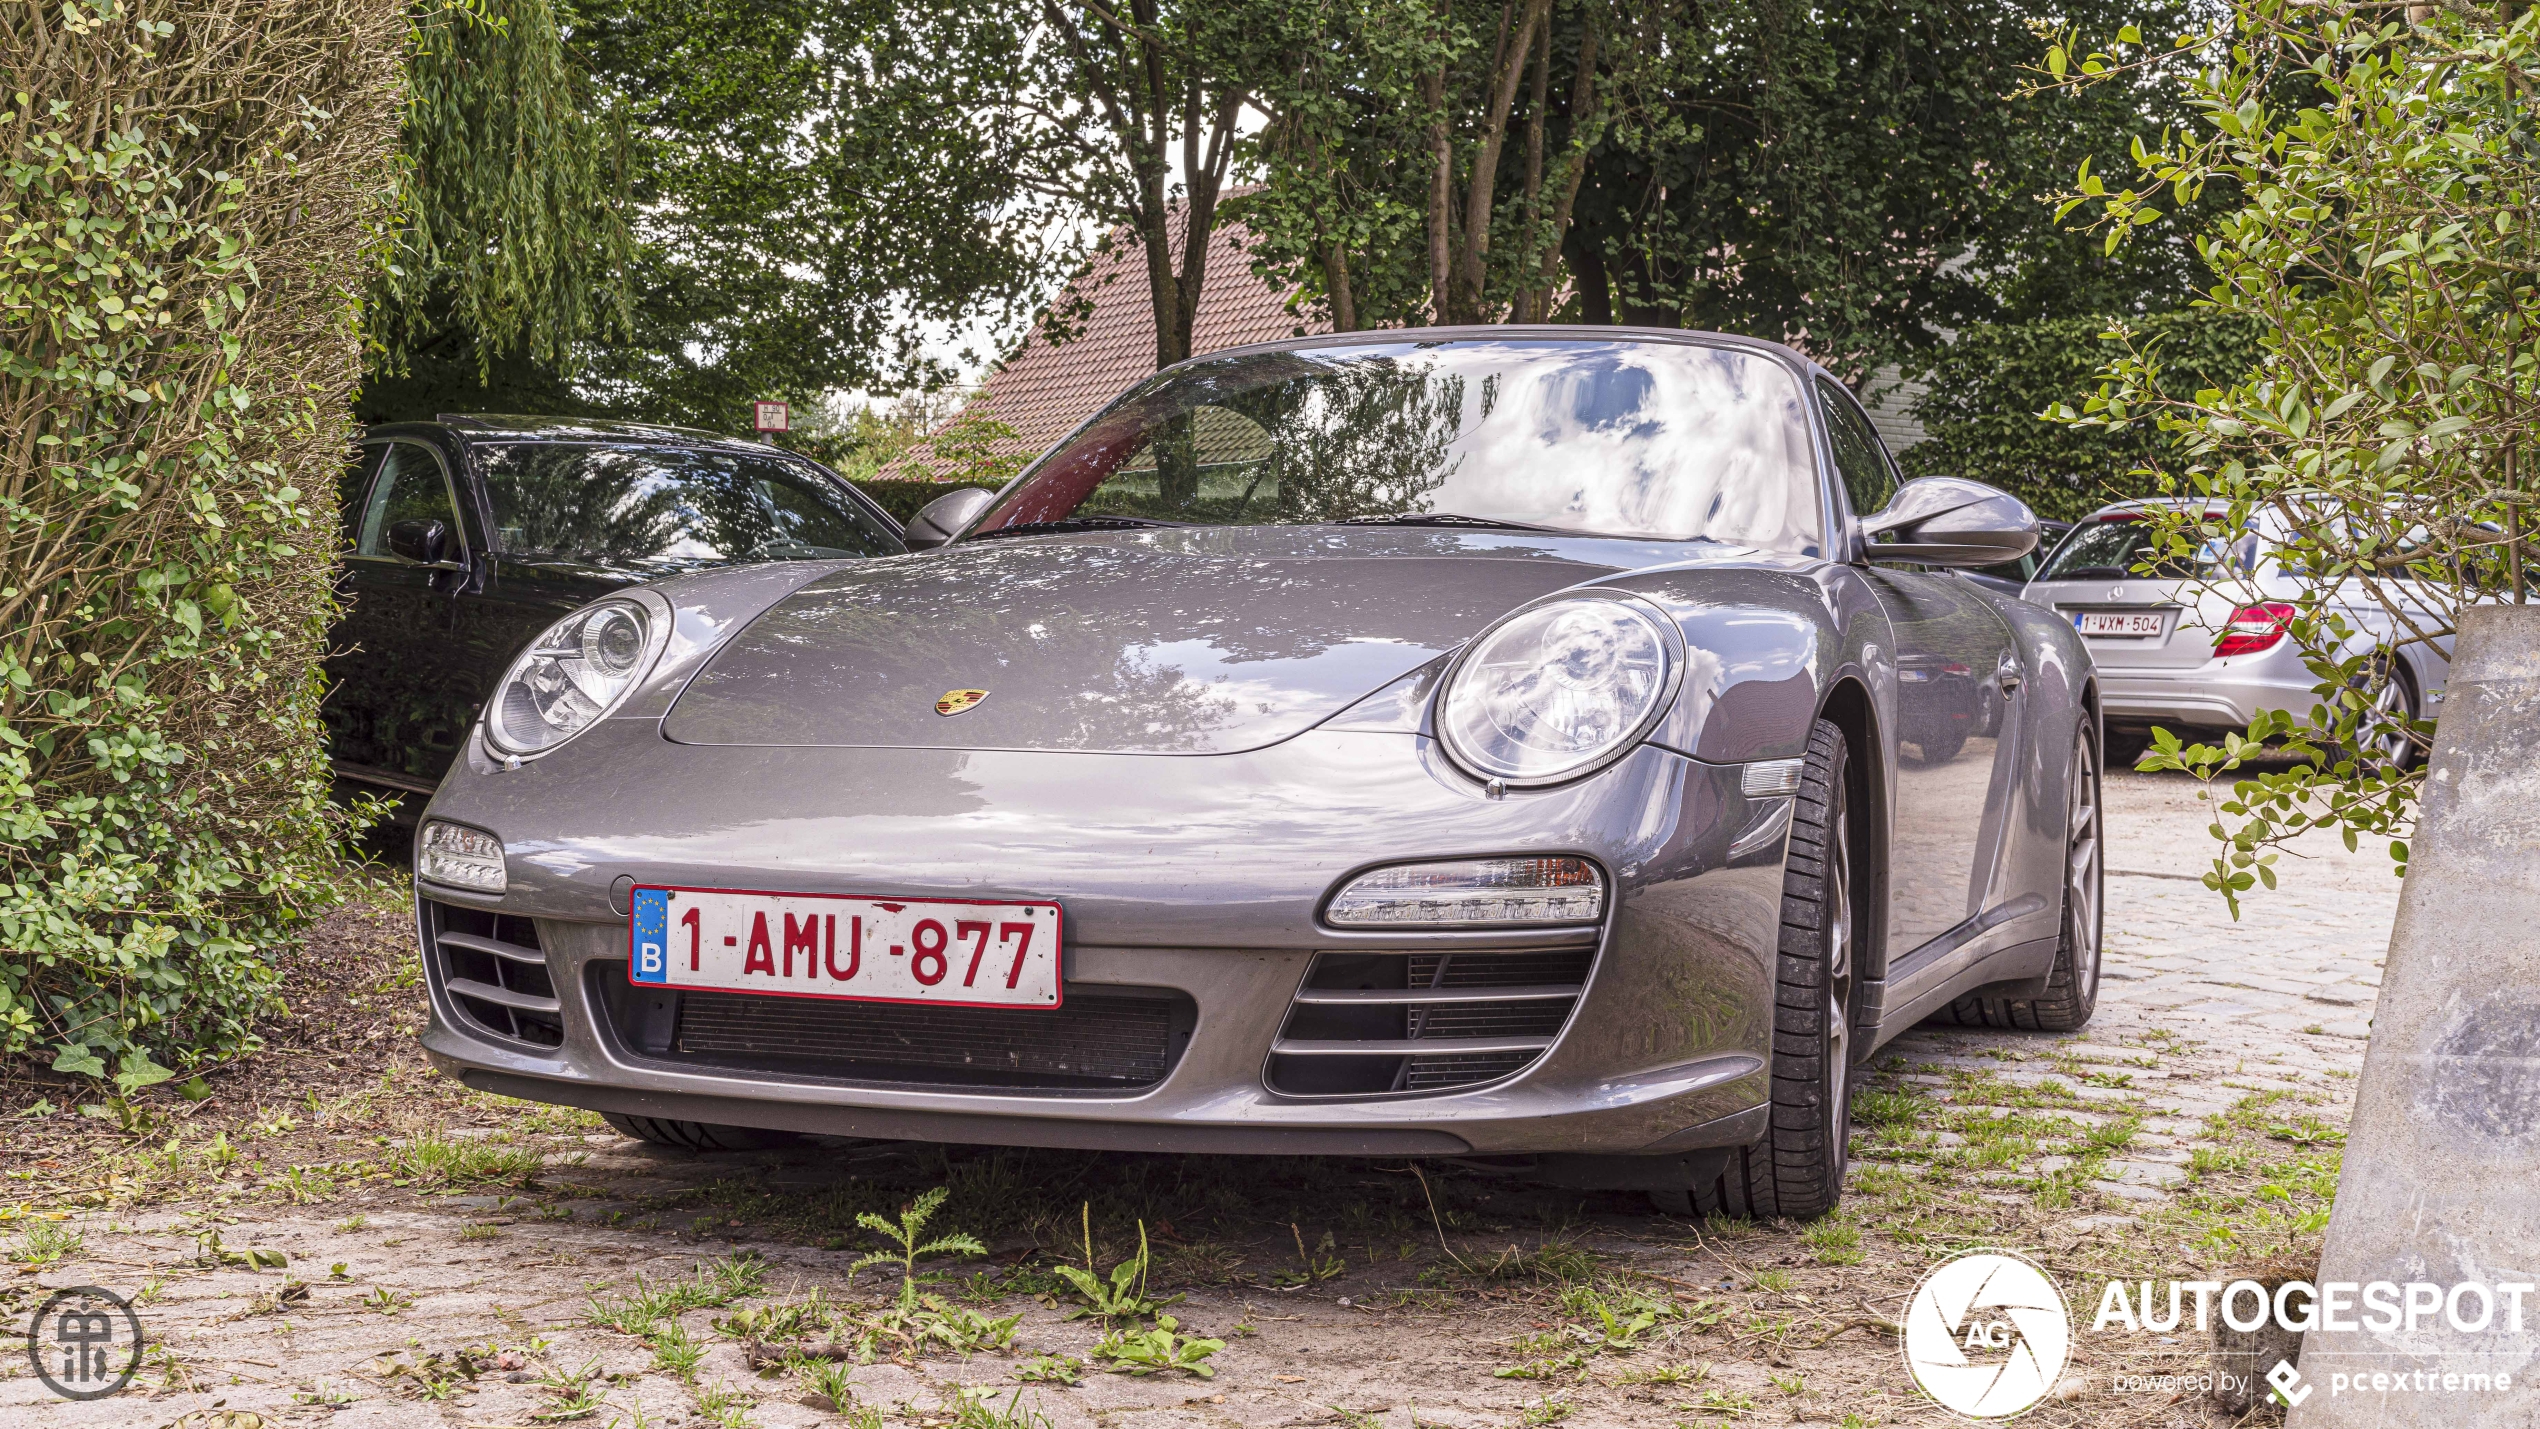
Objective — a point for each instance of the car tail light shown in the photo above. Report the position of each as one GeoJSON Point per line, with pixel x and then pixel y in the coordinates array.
{"type": "Point", "coordinates": [2254, 628]}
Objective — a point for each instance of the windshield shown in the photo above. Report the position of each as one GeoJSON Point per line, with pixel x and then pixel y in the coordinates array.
{"type": "Point", "coordinates": [662, 509]}
{"type": "Point", "coordinates": [2111, 547]}
{"type": "Point", "coordinates": [1658, 439]}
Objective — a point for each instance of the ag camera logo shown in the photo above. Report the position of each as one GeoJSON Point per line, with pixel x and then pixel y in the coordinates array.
{"type": "Point", "coordinates": [1986, 1334]}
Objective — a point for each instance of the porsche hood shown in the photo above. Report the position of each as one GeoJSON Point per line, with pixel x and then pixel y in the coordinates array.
{"type": "Point", "coordinates": [1169, 642]}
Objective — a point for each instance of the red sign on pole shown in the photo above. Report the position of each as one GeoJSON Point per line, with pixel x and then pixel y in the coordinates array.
{"type": "Point", "coordinates": [775, 417]}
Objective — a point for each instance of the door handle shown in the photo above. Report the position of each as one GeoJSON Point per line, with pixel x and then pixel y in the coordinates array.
{"type": "Point", "coordinates": [2007, 674]}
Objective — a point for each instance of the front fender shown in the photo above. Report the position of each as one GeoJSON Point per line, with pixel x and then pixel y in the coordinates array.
{"type": "Point", "coordinates": [1765, 644]}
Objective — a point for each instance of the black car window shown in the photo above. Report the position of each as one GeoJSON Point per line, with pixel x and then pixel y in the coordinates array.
{"type": "Point", "coordinates": [1857, 454]}
{"type": "Point", "coordinates": [670, 508]}
{"type": "Point", "coordinates": [1671, 440]}
{"type": "Point", "coordinates": [356, 485]}
{"type": "Point", "coordinates": [410, 487]}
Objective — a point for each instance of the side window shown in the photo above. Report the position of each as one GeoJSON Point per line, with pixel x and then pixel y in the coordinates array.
{"type": "Point", "coordinates": [1856, 451]}
{"type": "Point", "coordinates": [409, 488]}
{"type": "Point", "coordinates": [357, 475]}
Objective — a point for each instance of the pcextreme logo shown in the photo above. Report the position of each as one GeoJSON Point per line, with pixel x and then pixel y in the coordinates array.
{"type": "Point", "coordinates": [1986, 1334]}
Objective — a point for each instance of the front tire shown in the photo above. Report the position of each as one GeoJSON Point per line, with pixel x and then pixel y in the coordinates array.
{"type": "Point", "coordinates": [696, 1135]}
{"type": "Point", "coordinates": [2072, 984]}
{"type": "Point", "coordinates": [1796, 1171]}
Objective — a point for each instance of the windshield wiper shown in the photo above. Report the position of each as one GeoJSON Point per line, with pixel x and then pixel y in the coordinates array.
{"type": "Point", "coordinates": [1074, 523]}
{"type": "Point", "coordinates": [1449, 518]}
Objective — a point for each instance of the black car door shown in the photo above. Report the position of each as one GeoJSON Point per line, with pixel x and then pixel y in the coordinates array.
{"type": "Point", "coordinates": [1954, 736]}
{"type": "Point", "coordinates": [389, 712]}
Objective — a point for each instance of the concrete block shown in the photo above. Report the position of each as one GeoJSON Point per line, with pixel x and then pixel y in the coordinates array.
{"type": "Point", "coordinates": [2438, 1184]}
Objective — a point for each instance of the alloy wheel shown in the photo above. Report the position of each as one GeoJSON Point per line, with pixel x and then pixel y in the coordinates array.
{"type": "Point", "coordinates": [1839, 977]}
{"type": "Point", "coordinates": [2387, 720]}
{"type": "Point", "coordinates": [2084, 877]}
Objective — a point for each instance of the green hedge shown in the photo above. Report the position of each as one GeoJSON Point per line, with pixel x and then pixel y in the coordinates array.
{"type": "Point", "coordinates": [1988, 387]}
{"type": "Point", "coordinates": [195, 203]}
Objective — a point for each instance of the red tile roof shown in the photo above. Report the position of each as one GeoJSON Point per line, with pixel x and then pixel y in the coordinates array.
{"type": "Point", "coordinates": [1046, 386]}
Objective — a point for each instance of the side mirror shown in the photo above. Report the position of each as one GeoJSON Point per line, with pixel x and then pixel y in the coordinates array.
{"type": "Point", "coordinates": [1950, 521]}
{"type": "Point", "coordinates": [424, 542]}
{"type": "Point", "coordinates": [946, 514]}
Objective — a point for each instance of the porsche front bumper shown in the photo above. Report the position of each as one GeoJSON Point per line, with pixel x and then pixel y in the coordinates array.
{"type": "Point", "coordinates": [1195, 877]}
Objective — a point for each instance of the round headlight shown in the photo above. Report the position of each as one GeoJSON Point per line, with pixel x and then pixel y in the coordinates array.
{"type": "Point", "coordinates": [1553, 691]}
{"type": "Point", "coordinates": [571, 676]}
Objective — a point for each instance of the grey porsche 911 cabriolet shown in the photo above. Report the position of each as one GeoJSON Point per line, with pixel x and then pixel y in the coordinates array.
{"type": "Point", "coordinates": [1558, 748]}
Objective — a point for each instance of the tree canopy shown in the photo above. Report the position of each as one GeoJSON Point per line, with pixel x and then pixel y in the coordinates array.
{"type": "Point", "coordinates": [801, 187]}
{"type": "Point", "coordinates": [2386, 257]}
{"type": "Point", "coordinates": [1852, 177]}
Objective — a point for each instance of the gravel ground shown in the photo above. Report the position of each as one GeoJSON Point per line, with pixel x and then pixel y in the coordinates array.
{"type": "Point", "coordinates": [432, 1256]}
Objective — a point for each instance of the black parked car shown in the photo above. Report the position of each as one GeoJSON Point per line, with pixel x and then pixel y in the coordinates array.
{"type": "Point", "coordinates": [466, 536]}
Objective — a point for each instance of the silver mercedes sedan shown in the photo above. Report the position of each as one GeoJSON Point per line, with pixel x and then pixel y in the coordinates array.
{"type": "Point", "coordinates": [1568, 749]}
{"type": "Point", "coordinates": [2202, 645]}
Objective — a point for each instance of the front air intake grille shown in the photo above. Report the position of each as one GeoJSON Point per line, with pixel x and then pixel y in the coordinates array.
{"type": "Point", "coordinates": [492, 967]}
{"type": "Point", "coordinates": [1367, 1024]}
{"type": "Point", "coordinates": [1110, 1039]}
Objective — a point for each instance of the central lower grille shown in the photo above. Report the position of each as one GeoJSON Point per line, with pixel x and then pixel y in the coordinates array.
{"type": "Point", "coordinates": [1370, 1023]}
{"type": "Point", "coordinates": [1113, 1040]}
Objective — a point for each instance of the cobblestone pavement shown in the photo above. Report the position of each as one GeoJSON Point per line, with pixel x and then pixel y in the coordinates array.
{"type": "Point", "coordinates": [2280, 1000]}
{"type": "Point", "coordinates": [2221, 1064]}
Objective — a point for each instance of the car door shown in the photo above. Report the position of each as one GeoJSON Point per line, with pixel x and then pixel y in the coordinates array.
{"type": "Point", "coordinates": [1956, 716]}
{"type": "Point", "coordinates": [389, 714]}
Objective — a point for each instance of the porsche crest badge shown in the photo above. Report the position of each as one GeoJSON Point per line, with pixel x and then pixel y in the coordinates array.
{"type": "Point", "coordinates": [955, 701]}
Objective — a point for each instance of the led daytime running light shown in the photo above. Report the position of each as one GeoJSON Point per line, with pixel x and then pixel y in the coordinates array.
{"type": "Point", "coordinates": [1475, 892]}
{"type": "Point", "coordinates": [460, 857]}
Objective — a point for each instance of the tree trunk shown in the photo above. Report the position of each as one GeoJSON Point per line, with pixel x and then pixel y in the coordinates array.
{"type": "Point", "coordinates": [1465, 302]}
{"type": "Point", "coordinates": [1583, 130]}
{"type": "Point", "coordinates": [1596, 294]}
{"type": "Point", "coordinates": [1336, 286]}
{"type": "Point", "coordinates": [1164, 292]}
{"type": "Point", "coordinates": [1176, 448]}
{"type": "Point", "coordinates": [1441, 197]}
{"type": "Point", "coordinates": [1527, 306]}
